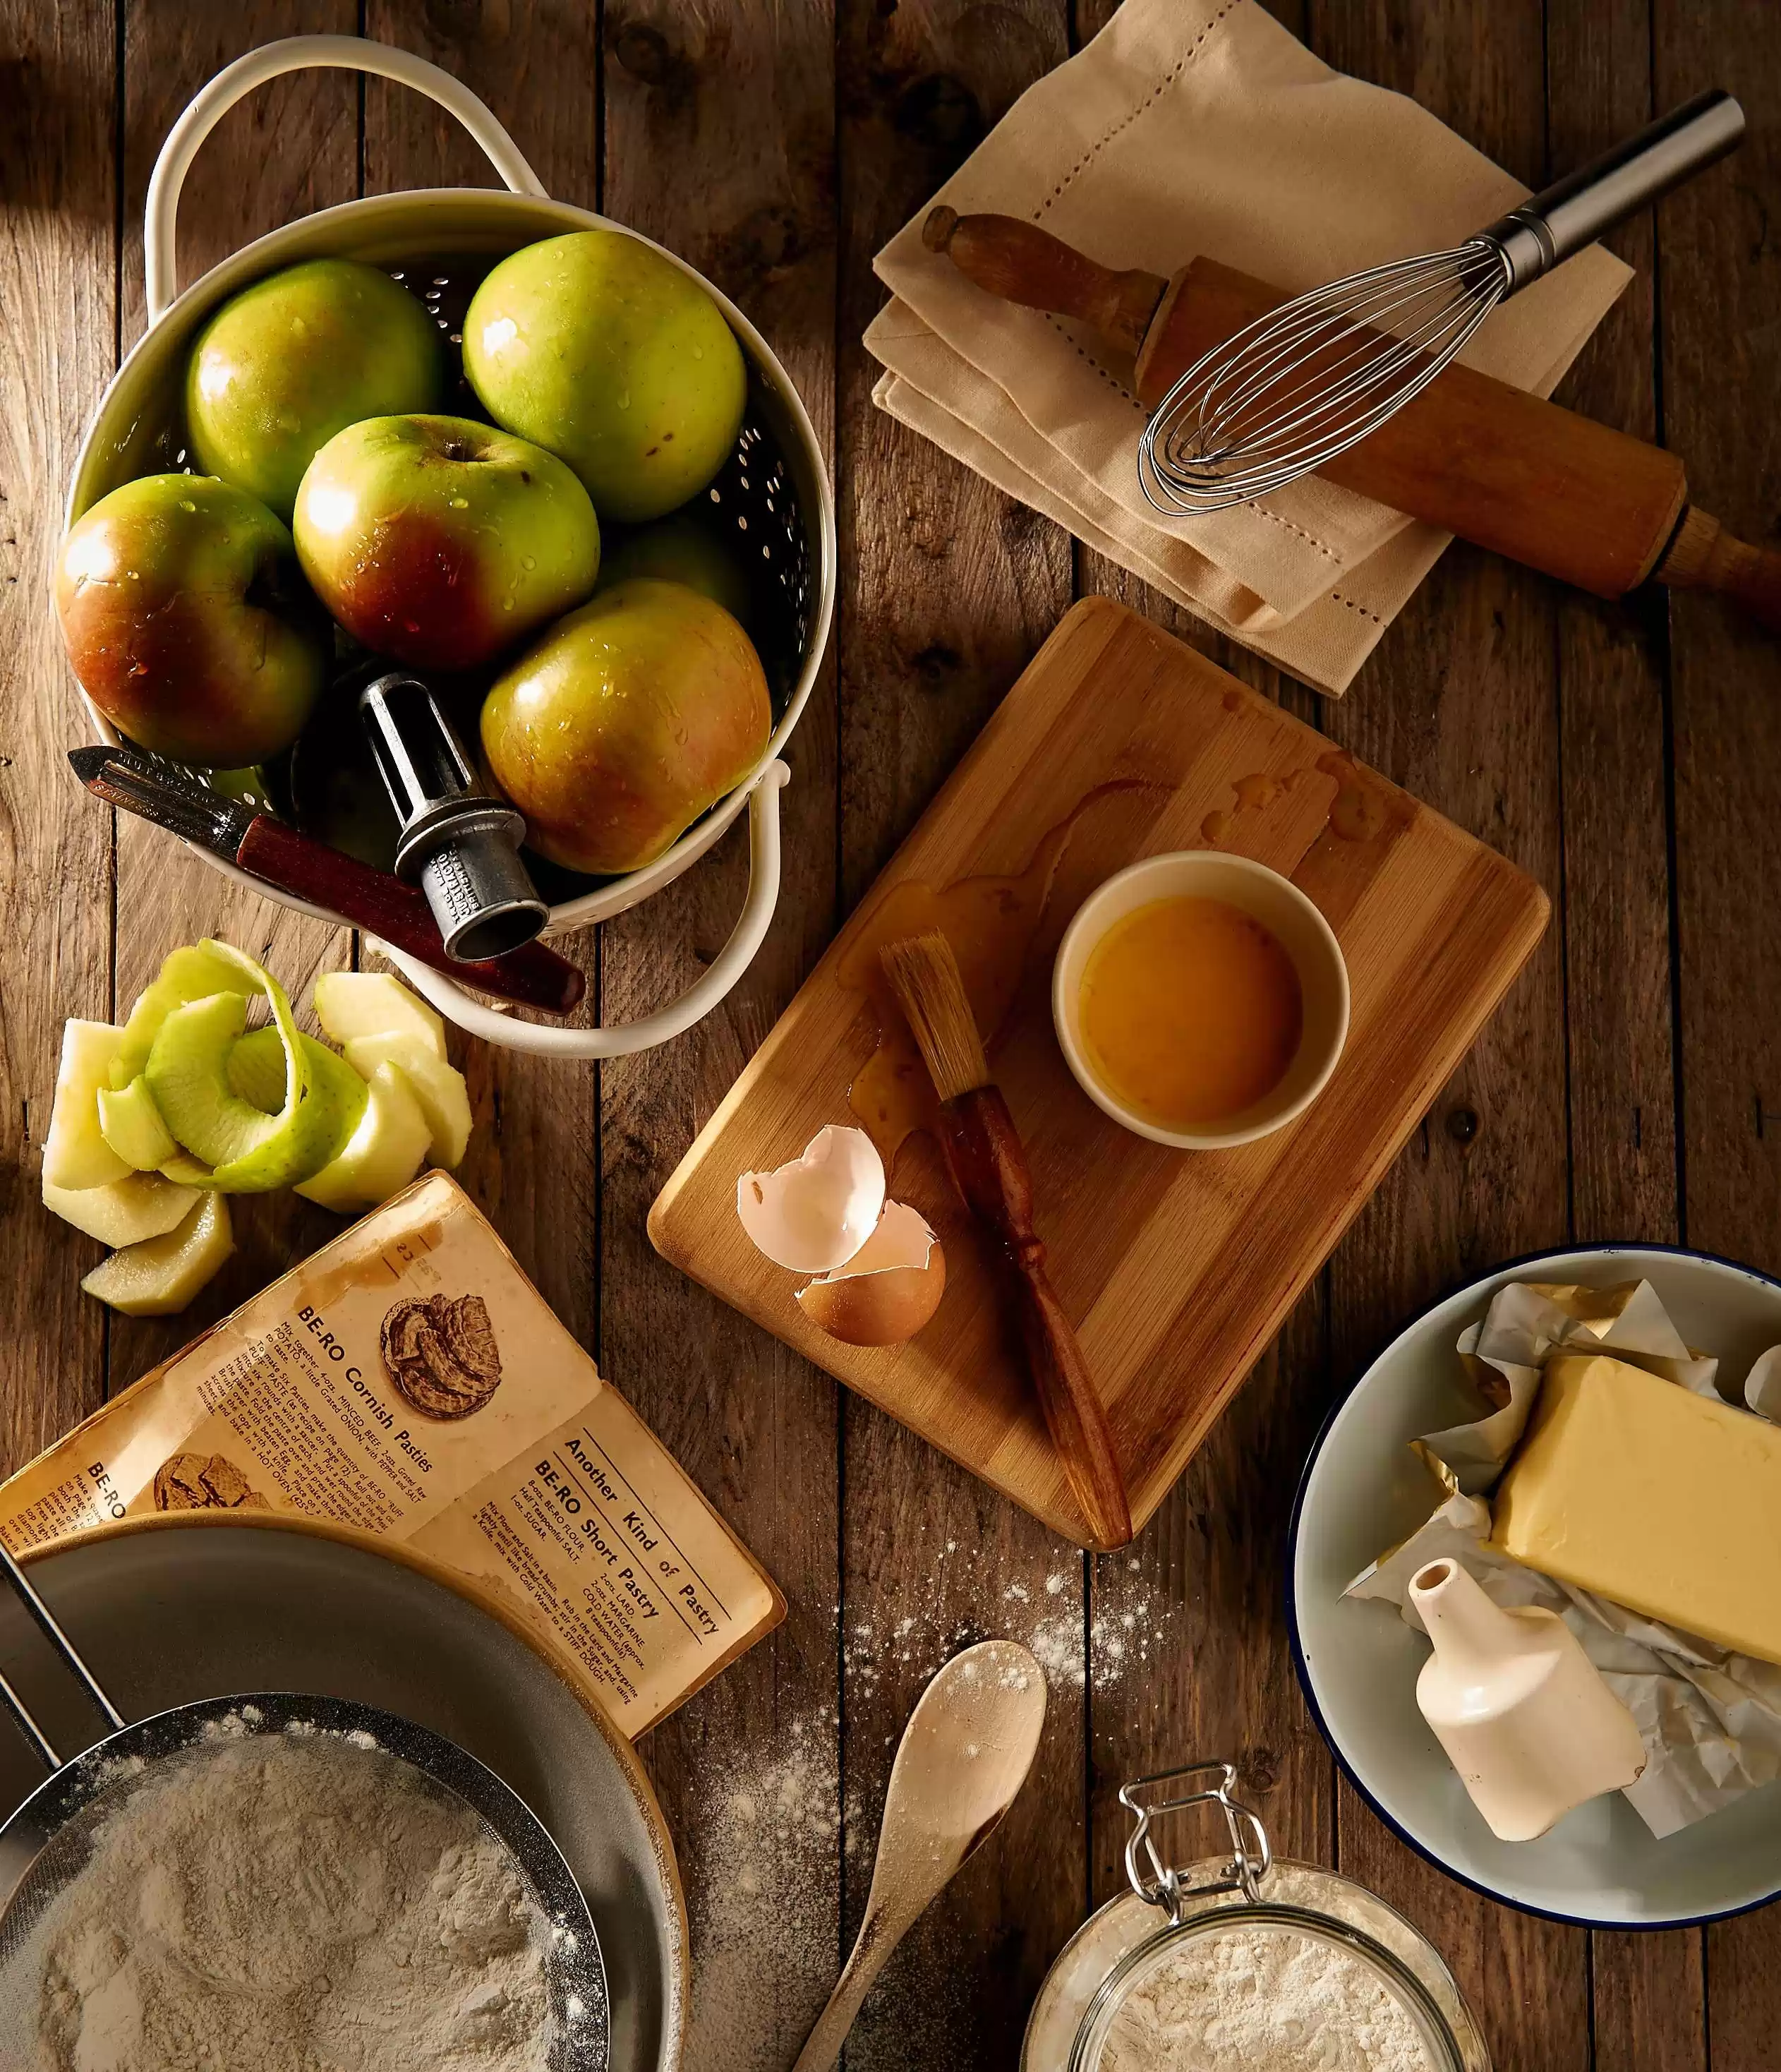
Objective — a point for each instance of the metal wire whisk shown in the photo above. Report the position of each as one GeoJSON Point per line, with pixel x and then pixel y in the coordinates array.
{"type": "Point", "coordinates": [1292, 390]}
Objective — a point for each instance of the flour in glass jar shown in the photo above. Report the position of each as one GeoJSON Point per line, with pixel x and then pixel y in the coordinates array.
{"type": "Point", "coordinates": [1261, 2000]}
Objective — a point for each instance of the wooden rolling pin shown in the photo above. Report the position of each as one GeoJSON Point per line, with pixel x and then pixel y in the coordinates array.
{"type": "Point", "coordinates": [1479, 459]}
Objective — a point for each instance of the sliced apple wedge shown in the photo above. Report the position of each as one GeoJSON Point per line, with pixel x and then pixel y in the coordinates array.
{"type": "Point", "coordinates": [130, 1123]}
{"type": "Point", "coordinates": [75, 1152]}
{"type": "Point", "coordinates": [383, 1154]}
{"type": "Point", "coordinates": [141, 1204]}
{"type": "Point", "coordinates": [440, 1088]}
{"type": "Point", "coordinates": [163, 1274]}
{"type": "Point", "coordinates": [351, 1003]}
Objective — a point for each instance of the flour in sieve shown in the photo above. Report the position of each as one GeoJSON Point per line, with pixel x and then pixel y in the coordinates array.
{"type": "Point", "coordinates": [290, 1904]}
{"type": "Point", "coordinates": [1257, 1999]}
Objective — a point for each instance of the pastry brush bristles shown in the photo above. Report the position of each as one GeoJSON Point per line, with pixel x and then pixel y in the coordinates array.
{"type": "Point", "coordinates": [924, 974]}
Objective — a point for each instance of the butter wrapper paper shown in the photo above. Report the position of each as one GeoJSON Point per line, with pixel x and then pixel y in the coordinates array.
{"type": "Point", "coordinates": [409, 1380]}
{"type": "Point", "coordinates": [1710, 1719]}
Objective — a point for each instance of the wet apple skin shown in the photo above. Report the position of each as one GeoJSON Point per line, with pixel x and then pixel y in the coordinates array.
{"type": "Point", "coordinates": [152, 590]}
{"type": "Point", "coordinates": [441, 542]}
{"type": "Point", "coordinates": [626, 721]}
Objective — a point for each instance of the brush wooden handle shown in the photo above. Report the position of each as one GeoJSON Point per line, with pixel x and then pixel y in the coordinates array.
{"type": "Point", "coordinates": [532, 976]}
{"type": "Point", "coordinates": [1474, 456]}
{"type": "Point", "coordinates": [988, 1165]}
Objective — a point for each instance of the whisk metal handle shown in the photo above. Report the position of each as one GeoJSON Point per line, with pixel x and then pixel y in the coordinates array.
{"type": "Point", "coordinates": [1575, 211]}
{"type": "Point", "coordinates": [51, 1628]}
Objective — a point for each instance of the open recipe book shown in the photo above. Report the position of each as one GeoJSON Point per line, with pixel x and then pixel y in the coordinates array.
{"type": "Point", "coordinates": [409, 1380]}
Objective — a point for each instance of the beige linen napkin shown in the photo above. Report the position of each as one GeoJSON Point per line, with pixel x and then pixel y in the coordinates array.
{"type": "Point", "coordinates": [1190, 127]}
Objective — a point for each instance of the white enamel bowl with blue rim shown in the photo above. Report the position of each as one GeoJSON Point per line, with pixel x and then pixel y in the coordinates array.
{"type": "Point", "coordinates": [1363, 1490]}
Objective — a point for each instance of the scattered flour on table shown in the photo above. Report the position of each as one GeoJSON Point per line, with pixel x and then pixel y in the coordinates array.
{"type": "Point", "coordinates": [278, 1903]}
{"type": "Point", "coordinates": [1258, 2001]}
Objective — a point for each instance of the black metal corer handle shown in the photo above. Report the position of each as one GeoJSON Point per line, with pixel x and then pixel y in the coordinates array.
{"type": "Point", "coordinates": [460, 845]}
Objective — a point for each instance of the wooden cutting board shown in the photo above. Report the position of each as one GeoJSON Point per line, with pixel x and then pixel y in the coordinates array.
{"type": "Point", "coordinates": [1177, 1267]}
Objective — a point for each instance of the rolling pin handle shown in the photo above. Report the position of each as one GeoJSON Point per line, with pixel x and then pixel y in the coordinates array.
{"type": "Point", "coordinates": [1705, 556]}
{"type": "Point", "coordinates": [1018, 262]}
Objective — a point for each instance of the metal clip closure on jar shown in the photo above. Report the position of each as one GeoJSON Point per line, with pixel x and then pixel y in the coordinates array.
{"type": "Point", "coordinates": [1208, 1984]}
{"type": "Point", "coordinates": [1252, 1858]}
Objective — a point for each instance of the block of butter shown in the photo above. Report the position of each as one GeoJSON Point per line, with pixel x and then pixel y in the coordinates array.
{"type": "Point", "coordinates": [1666, 1501]}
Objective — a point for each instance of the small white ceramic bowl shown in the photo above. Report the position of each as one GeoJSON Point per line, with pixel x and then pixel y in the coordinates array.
{"type": "Point", "coordinates": [1363, 1490]}
{"type": "Point", "coordinates": [1281, 909]}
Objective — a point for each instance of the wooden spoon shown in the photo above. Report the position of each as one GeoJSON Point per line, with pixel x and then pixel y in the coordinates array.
{"type": "Point", "coordinates": [962, 1761]}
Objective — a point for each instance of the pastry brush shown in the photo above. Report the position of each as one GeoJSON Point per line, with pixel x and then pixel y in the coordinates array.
{"type": "Point", "coordinates": [988, 1165]}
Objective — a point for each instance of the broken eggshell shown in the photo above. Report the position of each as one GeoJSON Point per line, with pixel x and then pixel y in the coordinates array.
{"type": "Point", "coordinates": [888, 1290]}
{"type": "Point", "coordinates": [813, 1213]}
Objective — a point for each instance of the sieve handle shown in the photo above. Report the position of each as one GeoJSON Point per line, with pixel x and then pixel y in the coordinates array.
{"type": "Point", "coordinates": [736, 955]}
{"type": "Point", "coordinates": [206, 108]}
{"type": "Point", "coordinates": [50, 1627]}
{"type": "Point", "coordinates": [1575, 211]}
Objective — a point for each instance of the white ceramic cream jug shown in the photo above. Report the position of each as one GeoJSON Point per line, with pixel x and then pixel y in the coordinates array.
{"type": "Point", "coordinates": [1520, 1709]}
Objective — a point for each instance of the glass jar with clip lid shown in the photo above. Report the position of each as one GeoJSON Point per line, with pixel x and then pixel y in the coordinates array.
{"type": "Point", "coordinates": [1249, 1961]}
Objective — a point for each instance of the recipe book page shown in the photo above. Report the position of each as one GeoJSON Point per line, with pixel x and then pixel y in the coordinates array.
{"type": "Point", "coordinates": [407, 1380]}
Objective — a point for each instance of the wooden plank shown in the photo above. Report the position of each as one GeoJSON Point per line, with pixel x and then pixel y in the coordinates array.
{"type": "Point", "coordinates": [57, 200]}
{"type": "Point", "coordinates": [1460, 706]}
{"type": "Point", "coordinates": [533, 1163]}
{"type": "Point", "coordinates": [291, 148]}
{"type": "Point", "coordinates": [948, 587]}
{"type": "Point", "coordinates": [719, 140]}
{"type": "Point", "coordinates": [1720, 333]}
{"type": "Point", "coordinates": [1646, 1991]}
{"type": "Point", "coordinates": [1176, 1270]}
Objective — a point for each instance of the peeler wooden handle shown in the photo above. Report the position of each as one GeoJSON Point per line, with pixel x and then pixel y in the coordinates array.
{"type": "Point", "coordinates": [1475, 456]}
{"type": "Point", "coordinates": [533, 975]}
{"type": "Point", "coordinates": [988, 1165]}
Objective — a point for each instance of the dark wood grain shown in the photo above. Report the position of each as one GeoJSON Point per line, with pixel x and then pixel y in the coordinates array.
{"type": "Point", "coordinates": [1627, 755]}
{"type": "Point", "coordinates": [1719, 270]}
{"type": "Point", "coordinates": [1460, 705]}
{"type": "Point", "coordinates": [291, 148]}
{"type": "Point", "coordinates": [58, 333]}
{"type": "Point", "coordinates": [948, 588]}
{"type": "Point", "coordinates": [719, 140]}
{"type": "Point", "coordinates": [1646, 1990]}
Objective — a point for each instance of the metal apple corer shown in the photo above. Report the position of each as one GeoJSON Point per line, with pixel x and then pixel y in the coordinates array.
{"type": "Point", "coordinates": [772, 490]}
{"type": "Point", "coordinates": [46, 1841]}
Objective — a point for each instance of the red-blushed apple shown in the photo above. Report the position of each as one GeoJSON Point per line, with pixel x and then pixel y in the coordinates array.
{"type": "Point", "coordinates": [629, 718]}
{"type": "Point", "coordinates": [288, 363]}
{"type": "Point", "coordinates": [440, 541]}
{"type": "Point", "coordinates": [187, 622]}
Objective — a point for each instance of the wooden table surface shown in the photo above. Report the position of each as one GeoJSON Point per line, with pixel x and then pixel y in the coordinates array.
{"type": "Point", "coordinates": [1630, 758]}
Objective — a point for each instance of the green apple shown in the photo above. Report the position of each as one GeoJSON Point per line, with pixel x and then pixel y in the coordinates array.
{"type": "Point", "coordinates": [383, 1154]}
{"type": "Point", "coordinates": [684, 547]}
{"type": "Point", "coordinates": [600, 347]}
{"type": "Point", "coordinates": [75, 1153]}
{"type": "Point", "coordinates": [350, 1003]}
{"type": "Point", "coordinates": [625, 722]}
{"type": "Point", "coordinates": [441, 541]}
{"type": "Point", "coordinates": [441, 1091]}
{"type": "Point", "coordinates": [288, 363]}
{"type": "Point", "coordinates": [160, 1275]}
{"type": "Point", "coordinates": [130, 1123]}
{"type": "Point", "coordinates": [186, 619]}
{"type": "Point", "coordinates": [141, 1205]}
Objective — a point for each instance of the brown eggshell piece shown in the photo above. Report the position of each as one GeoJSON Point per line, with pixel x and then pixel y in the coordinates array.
{"type": "Point", "coordinates": [882, 1309]}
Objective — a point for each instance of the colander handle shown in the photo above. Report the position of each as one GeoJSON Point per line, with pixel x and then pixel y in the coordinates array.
{"type": "Point", "coordinates": [206, 108]}
{"type": "Point", "coordinates": [736, 955]}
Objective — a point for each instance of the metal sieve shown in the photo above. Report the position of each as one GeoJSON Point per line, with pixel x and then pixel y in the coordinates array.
{"type": "Point", "coordinates": [48, 1839]}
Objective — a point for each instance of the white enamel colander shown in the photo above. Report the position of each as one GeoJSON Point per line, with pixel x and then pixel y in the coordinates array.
{"type": "Point", "coordinates": [777, 476]}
